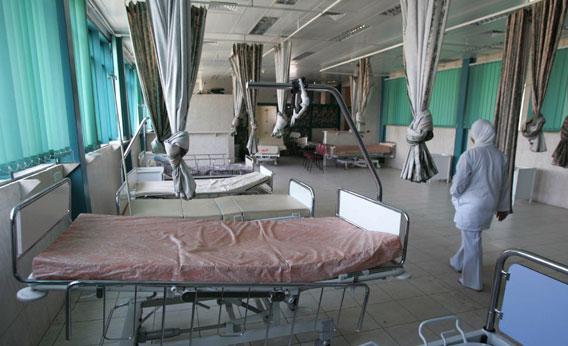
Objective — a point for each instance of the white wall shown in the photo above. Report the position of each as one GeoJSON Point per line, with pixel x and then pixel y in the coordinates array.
{"type": "Point", "coordinates": [442, 143]}
{"type": "Point", "coordinates": [551, 186]}
{"type": "Point", "coordinates": [22, 324]}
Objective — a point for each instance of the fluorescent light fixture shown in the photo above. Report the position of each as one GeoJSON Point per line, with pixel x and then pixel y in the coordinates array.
{"type": "Point", "coordinates": [263, 25]}
{"type": "Point", "coordinates": [391, 12]}
{"type": "Point", "coordinates": [306, 24]}
{"type": "Point", "coordinates": [222, 6]}
{"type": "Point", "coordinates": [302, 56]}
{"type": "Point", "coordinates": [350, 33]}
{"type": "Point", "coordinates": [452, 28]}
{"type": "Point", "coordinates": [286, 2]}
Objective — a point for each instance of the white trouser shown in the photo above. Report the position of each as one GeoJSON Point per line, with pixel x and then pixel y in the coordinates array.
{"type": "Point", "coordinates": [468, 259]}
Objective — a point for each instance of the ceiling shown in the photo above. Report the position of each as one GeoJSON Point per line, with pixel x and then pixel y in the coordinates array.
{"type": "Point", "coordinates": [231, 21]}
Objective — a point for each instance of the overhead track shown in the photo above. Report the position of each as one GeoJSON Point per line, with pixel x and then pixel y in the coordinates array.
{"type": "Point", "coordinates": [452, 28]}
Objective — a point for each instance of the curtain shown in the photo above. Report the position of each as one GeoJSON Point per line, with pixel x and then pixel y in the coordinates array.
{"type": "Point", "coordinates": [282, 59]}
{"type": "Point", "coordinates": [178, 30]}
{"type": "Point", "coordinates": [246, 61]}
{"type": "Point", "coordinates": [547, 23]}
{"type": "Point", "coordinates": [83, 71]}
{"type": "Point", "coordinates": [360, 89]}
{"type": "Point", "coordinates": [102, 66]}
{"type": "Point", "coordinates": [511, 85]}
{"type": "Point", "coordinates": [423, 25]}
{"type": "Point", "coordinates": [560, 155]}
{"type": "Point", "coordinates": [237, 99]}
{"type": "Point", "coordinates": [147, 66]}
{"type": "Point", "coordinates": [33, 101]}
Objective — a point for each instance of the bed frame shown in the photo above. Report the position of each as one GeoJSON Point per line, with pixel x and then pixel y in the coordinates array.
{"type": "Point", "coordinates": [528, 306]}
{"type": "Point", "coordinates": [38, 220]}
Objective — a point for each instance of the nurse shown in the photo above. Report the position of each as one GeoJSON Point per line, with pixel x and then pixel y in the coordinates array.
{"type": "Point", "coordinates": [479, 191]}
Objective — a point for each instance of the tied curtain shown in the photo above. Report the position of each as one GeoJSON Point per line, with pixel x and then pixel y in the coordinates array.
{"type": "Point", "coordinates": [547, 23]}
{"type": "Point", "coordinates": [560, 155]}
{"type": "Point", "coordinates": [237, 100]}
{"type": "Point", "coordinates": [246, 62]}
{"type": "Point", "coordinates": [360, 89]}
{"type": "Point", "coordinates": [178, 30]}
{"type": "Point", "coordinates": [147, 66]}
{"type": "Point", "coordinates": [282, 59]}
{"type": "Point", "coordinates": [511, 85]}
{"type": "Point", "coordinates": [423, 26]}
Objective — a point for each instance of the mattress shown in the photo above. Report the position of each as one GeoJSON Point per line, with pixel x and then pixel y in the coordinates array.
{"type": "Point", "coordinates": [102, 247]}
{"type": "Point", "coordinates": [241, 207]}
{"type": "Point", "coordinates": [218, 186]}
{"type": "Point", "coordinates": [373, 149]}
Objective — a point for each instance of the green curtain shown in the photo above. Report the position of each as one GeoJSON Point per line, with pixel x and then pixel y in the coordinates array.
{"type": "Point", "coordinates": [132, 91]}
{"type": "Point", "coordinates": [33, 105]}
{"type": "Point", "coordinates": [443, 103]}
{"type": "Point", "coordinates": [79, 28]}
{"type": "Point", "coordinates": [102, 67]}
{"type": "Point", "coordinates": [482, 89]}
{"type": "Point", "coordinates": [555, 104]}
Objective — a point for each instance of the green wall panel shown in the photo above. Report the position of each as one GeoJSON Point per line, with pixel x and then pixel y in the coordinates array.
{"type": "Point", "coordinates": [396, 106]}
{"type": "Point", "coordinates": [482, 88]}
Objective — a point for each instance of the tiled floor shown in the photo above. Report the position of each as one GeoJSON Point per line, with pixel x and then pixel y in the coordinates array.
{"type": "Point", "coordinates": [396, 306]}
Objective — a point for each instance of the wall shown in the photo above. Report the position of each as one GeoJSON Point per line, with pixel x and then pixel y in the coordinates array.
{"type": "Point", "coordinates": [104, 178]}
{"type": "Point", "coordinates": [442, 143]}
{"type": "Point", "coordinates": [22, 324]}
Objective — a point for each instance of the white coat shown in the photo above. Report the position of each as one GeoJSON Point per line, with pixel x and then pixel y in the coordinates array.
{"type": "Point", "coordinates": [480, 187]}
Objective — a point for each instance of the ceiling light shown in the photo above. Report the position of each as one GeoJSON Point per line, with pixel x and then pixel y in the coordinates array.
{"type": "Point", "coordinates": [392, 12]}
{"type": "Point", "coordinates": [302, 56]}
{"type": "Point", "coordinates": [335, 16]}
{"type": "Point", "coordinates": [223, 6]}
{"type": "Point", "coordinates": [286, 2]}
{"type": "Point", "coordinates": [350, 33]}
{"type": "Point", "coordinates": [263, 25]}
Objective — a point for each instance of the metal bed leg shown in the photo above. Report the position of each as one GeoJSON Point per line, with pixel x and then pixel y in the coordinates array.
{"type": "Point", "coordinates": [293, 322]}
{"type": "Point", "coordinates": [193, 307]}
{"type": "Point", "coordinates": [163, 318]}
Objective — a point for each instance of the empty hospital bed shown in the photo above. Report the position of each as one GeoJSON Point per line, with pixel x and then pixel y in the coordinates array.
{"type": "Point", "coordinates": [146, 182]}
{"type": "Point", "coordinates": [528, 306]}
{"type": "Point", "coordinates": [248, 271]}
{"type": "Point", "coordinates": [299, 202]}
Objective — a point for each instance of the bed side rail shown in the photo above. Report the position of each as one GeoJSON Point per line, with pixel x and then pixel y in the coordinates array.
{"type": "Point", "coordinates": [121, 199]}
{"type": "Point", "coordinates": [33, 219]}
{"type": "Point", "coordinates": [303, 193]}
{"type": "Point", "coordinates": [374, 216]}
{"type": "Point", "coordinates": [270, 174]}
{"type": "Point", "coordinates": [530, 292]}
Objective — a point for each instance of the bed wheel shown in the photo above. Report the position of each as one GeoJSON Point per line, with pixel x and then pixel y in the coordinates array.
{"type": "Point", "coordinates": [292, 303]}
{"type": "Point", "coordinates": [28, 294]}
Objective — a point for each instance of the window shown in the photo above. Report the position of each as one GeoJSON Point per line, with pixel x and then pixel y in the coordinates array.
{"type": "Point", "coordinates": [135, 99]}
{"type": "Point", "coordinates": [33, 93]}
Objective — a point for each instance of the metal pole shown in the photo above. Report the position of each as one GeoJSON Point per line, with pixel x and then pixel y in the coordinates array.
{"type": "Point", "coordinates": [346, 115]}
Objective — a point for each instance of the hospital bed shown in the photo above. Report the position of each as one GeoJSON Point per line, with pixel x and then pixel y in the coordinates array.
{"type": "Point", "coordinates": [252, 273]}
{"type": "Point", "coordinates": [350, 154]}
{"type": "Point", "coordinates": [146, 182]}
{"type": "Point", "coordinates": [528, 306]}
{"type": "Point", "coordinates": [298, 202]}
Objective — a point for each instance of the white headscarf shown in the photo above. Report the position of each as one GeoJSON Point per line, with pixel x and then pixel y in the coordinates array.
{"type": "Point", "coordinates": [483, 133]}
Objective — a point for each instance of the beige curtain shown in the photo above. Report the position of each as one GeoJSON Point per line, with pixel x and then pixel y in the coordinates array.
{"type": "Point", "coordinates": [546, 29]}
{"type": "Point", "coordinates": [178, 30]}
{"type": "Point", "coordinates": [560, 156]}
{"type": "Point", "coordinates": [423, 26]}
{"type": "Point", "coordinates": [246, 60]}
{"type": "Point", "coordinates": [147, 66]}
{"type": "Point", "coordinates": [511, 85]}
{"type": "Point", "coordinates": [360, 89]}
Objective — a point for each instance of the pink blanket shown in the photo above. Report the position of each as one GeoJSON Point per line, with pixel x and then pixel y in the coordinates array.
{"type": "Point", "coordinates": [97, 247]}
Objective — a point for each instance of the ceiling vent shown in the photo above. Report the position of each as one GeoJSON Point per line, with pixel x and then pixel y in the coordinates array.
{"type": "Point", "coordinates": [286, 2]}
{"type": "Point", "coordinates": [263, 25]}
{"type": "Point", "coordinates": [350, 33]}
{"type": "Point", "coordinates": [391, 12]}
{"type": "Point", "coordinates": [302, 56]}
{"type": "Point", "coordinates": [335, 16]}
{"type": "Point", "coordinates": [222, 6]}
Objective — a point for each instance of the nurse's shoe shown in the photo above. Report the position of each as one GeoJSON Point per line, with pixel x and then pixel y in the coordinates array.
{"type": "Point", "coordinates": [454, 268]}
{"type": "Point", "coordinates": [470, 288]}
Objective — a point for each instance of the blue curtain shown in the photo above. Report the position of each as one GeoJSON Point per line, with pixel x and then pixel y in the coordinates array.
{"type": "Point", "coordinates": [133, 94]}
{"type": "Point", "coordinates": [33, 105]}
{"type": "Point", "coordinates": [102, 69]}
